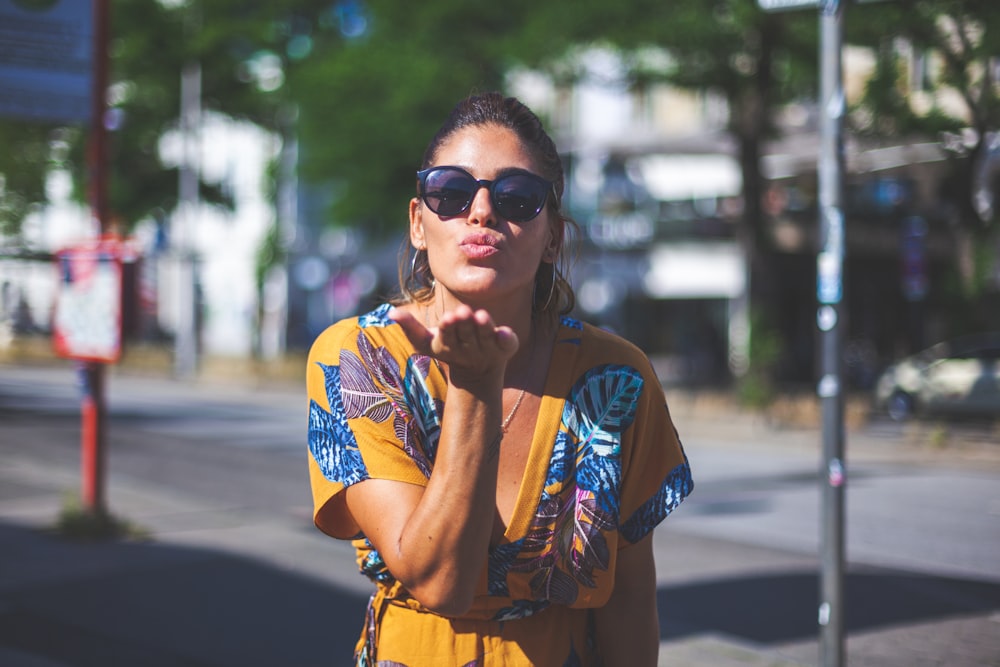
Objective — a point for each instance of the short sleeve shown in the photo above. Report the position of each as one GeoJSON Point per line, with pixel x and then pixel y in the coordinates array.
{"type": "Point", "coordinates": [371, 415]}
{"type": "Point", "coordinates": [656, 475]}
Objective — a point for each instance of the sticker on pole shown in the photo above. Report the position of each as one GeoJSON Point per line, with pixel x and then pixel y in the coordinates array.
{"type": "Point", "coordinates": [87, 321]}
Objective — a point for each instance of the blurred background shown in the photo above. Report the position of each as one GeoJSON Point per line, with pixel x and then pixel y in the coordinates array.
{"type": "Point", "coordinates": [261, 157]}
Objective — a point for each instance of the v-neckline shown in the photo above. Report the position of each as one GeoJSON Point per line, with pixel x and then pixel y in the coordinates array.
{"type": "Point", "coordinates": [550, 409]}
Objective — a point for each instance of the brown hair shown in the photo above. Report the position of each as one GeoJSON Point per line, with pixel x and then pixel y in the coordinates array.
{"type": "Point", "coordinates": [553, 293]}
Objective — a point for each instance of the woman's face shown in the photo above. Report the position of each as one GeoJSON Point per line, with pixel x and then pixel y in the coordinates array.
{"type": "Point", "coordinates": [478, 257]}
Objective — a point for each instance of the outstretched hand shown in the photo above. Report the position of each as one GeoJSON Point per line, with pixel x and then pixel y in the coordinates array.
{"type": "Point", "coordinates": [466, 340]}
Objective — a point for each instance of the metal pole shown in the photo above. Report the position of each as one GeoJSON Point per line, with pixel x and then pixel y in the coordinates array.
{"type": "Point", "coordinates": [186, 334]}
{"type": "Point", "coordinates": [829, 288]}
{"type": "Point", "coordinates": [93, 411]}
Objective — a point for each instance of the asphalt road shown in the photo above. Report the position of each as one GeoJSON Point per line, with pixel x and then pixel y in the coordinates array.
{"type": "Point", "coordinates": [737, 564]}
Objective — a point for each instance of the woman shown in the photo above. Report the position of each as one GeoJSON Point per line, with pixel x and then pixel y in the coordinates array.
{"type": "Point", "coordinates": [499, 465]}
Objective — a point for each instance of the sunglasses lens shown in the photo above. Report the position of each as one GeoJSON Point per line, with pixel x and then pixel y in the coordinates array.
{"type": "Point", "coordinates": [519, 197]}
{"type": "Point", "coordinates": [448, 192]}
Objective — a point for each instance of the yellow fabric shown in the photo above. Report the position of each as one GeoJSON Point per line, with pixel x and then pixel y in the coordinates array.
{"type": "Point", "coordinates": [605, 466]}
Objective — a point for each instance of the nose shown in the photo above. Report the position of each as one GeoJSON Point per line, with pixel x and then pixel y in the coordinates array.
{"type": "Point", "coordinates": [481, 209]}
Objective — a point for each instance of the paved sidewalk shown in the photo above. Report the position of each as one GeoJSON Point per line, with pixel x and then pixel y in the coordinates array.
{"type": "Point", "coordinates": [217, 585]}
{"type": "Point", "coordinates": [211, 587]}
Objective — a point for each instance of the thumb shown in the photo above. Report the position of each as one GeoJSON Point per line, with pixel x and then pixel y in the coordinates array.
{"type": "Point", "coordinates": [507, 341]}
{"type": "Point", "coordinates": [418, 335]}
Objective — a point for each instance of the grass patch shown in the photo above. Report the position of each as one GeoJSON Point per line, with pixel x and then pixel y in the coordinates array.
{"type": "Point", "coordinates": [87, 525]}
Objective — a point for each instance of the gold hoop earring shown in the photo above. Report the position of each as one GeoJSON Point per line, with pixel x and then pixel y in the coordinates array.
{"type": "Point", "coordinates": [413, 263]}
{"type": "Point", "coordinates": [552, 287]}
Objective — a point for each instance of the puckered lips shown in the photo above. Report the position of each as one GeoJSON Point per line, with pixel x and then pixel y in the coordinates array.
{"type": "Point", "coordinates": [480, 245]}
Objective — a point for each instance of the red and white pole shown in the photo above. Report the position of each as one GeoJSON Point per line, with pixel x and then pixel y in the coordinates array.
{"type": "Point", "coordinates": [93, 412]}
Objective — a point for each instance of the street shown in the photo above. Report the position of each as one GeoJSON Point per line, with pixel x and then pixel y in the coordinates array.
{"type": "Point", "coordinates": [217, 474]}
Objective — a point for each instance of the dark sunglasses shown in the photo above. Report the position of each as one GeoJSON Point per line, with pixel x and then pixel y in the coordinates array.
{"type": "Point", "coordinates": [518, 196]}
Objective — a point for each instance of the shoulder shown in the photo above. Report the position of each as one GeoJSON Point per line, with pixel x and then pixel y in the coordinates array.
{"type": "Point", "coordinates": [600, 346]}
{"type": "Point", "coordinates": [374, 325]}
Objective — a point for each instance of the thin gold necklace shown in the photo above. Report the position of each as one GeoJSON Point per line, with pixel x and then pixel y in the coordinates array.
{"type": "Point", "coordinates": [513, 411]}
{"type": "Point", "coordinates": [520, 396]}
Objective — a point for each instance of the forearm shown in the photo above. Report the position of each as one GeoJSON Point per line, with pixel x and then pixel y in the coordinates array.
{"type": "Point", "coordinates": [435, 538]}
{"type": "Point", "coordinates": [444, 544]}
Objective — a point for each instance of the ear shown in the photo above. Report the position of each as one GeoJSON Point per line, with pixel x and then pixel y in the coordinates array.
{"type": "Point", "coordinates": [556, 231]}
{"type": "Point", "coordinates": [417, 239]}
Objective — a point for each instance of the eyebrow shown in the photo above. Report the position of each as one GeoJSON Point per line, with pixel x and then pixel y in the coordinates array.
{"type": "Point", "coordinates": [507, 171]}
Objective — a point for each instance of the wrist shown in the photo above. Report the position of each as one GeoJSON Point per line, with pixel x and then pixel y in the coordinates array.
{"type": "Point", "coordinates": [478, 382]}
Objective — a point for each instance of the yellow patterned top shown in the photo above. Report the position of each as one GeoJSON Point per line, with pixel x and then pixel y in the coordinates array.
{"type": "Point", "coordinates": [605, 467]}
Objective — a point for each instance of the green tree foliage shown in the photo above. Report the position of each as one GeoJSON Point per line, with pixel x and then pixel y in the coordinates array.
{"type": "Point", "coordinates": [24, 160]}
{"type": "Point", "coordinates": [369, 100]}
{"type": "Point", "coordinates": [151, 43]}
{"type": "Point", "coordinates": [360, 85]}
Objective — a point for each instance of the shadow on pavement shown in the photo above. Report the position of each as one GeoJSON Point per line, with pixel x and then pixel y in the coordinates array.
{"type": "Point", "coordinates": [155, 605]}
{"type": "Point", "coordinates": [783, 607]}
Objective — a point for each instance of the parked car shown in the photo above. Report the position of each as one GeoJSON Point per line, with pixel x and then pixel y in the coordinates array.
{"type": "Point", "coordinates": [958, 377]}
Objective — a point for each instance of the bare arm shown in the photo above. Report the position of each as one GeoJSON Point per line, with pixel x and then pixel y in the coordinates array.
{"type": "Point", "coordinates": [434, 539]}
{"type": "Point", "coordinates": [628, 626]}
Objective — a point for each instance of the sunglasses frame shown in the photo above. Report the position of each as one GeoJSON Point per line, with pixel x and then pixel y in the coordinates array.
{"type": "Point", "coordinates": [490, 186]}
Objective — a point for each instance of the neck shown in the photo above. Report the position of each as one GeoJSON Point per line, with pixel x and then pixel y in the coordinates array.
{"type": "Point", "coordinates": [515, 313]}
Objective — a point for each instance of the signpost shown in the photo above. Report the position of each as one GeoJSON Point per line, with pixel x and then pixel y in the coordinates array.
{"type": "Point", "coordinates": [46, 60]}
{"type": "Point", "coordinates": [93, 408]}
{"type": "Point", "coordinates": [53, 68]}
{"type": "Point", "coordinates": [829, 294]}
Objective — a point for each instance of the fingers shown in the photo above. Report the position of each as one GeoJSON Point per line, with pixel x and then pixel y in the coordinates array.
{"type": "Point", "coordinates": [466, 338]}
{"type": "Point", "coordinates": [419, 335]}
{"type": "Point", "coordinates": [462, 329]}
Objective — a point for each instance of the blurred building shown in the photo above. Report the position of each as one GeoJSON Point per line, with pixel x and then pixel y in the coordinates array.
{"type": "Point", "coordinates": [656, 187]}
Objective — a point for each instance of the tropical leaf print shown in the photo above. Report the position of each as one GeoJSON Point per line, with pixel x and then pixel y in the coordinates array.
{"type": "Point", "coordinates": [373, 566]}
{"type": "Point", "coordinates": [425, 409]}
{"type": "Point", "coordinates": [567, 542]}
{"type": "Point", "coordinates": [590, 547]}
{"type": "Point", "coordinates": [372, 387]}
{"type": "Point", "coordinates": [376, 318]}
{"type": "Point", "coordinates": [362, 397]}
{"type": "Point", "coordinates": [561, 463]}
{"type": "Point", "coordinates": [553, 584]}
{"type": "Point", "coordinates": [331, 441]}
{"type": "Point", "coordinates": [602, 405]}
{"type": "Point", "coordinates": [677, 486]}
{"type": "Point", "coordinates": [520, 609]}
{"type": "Point", "coordinates": [498, 565]}
{"type": "Point", "coordinates": [382, 365]}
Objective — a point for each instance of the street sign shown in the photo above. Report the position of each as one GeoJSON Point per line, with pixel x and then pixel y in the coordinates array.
{"type": "Point", "coordinates": [781, 5]}
{"type": "Point", "coordinates": [46, 56]}
{"type": "Point", "coordinates": [87, 323]}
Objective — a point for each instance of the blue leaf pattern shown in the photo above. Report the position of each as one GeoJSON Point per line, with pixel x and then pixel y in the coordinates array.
{"type": "Point", "coordinates": [376, 318]}
{"type": "Point", "coordinates": [677, 486]}
{"type": "Point", "coordinates": [498, 565]}
{"type": "Point", "coordinates": [566, 541]}
{"type": "Point", "coordinates": [602, 405]}
{"type": "Point", "coordinates": [373, 567]}
{"type": "Point", "coordinates": [562, 463]}
{"type": "Point", "coordinates": [426, 410]}
{"type": "Point", "coordinates": [331, 441]}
